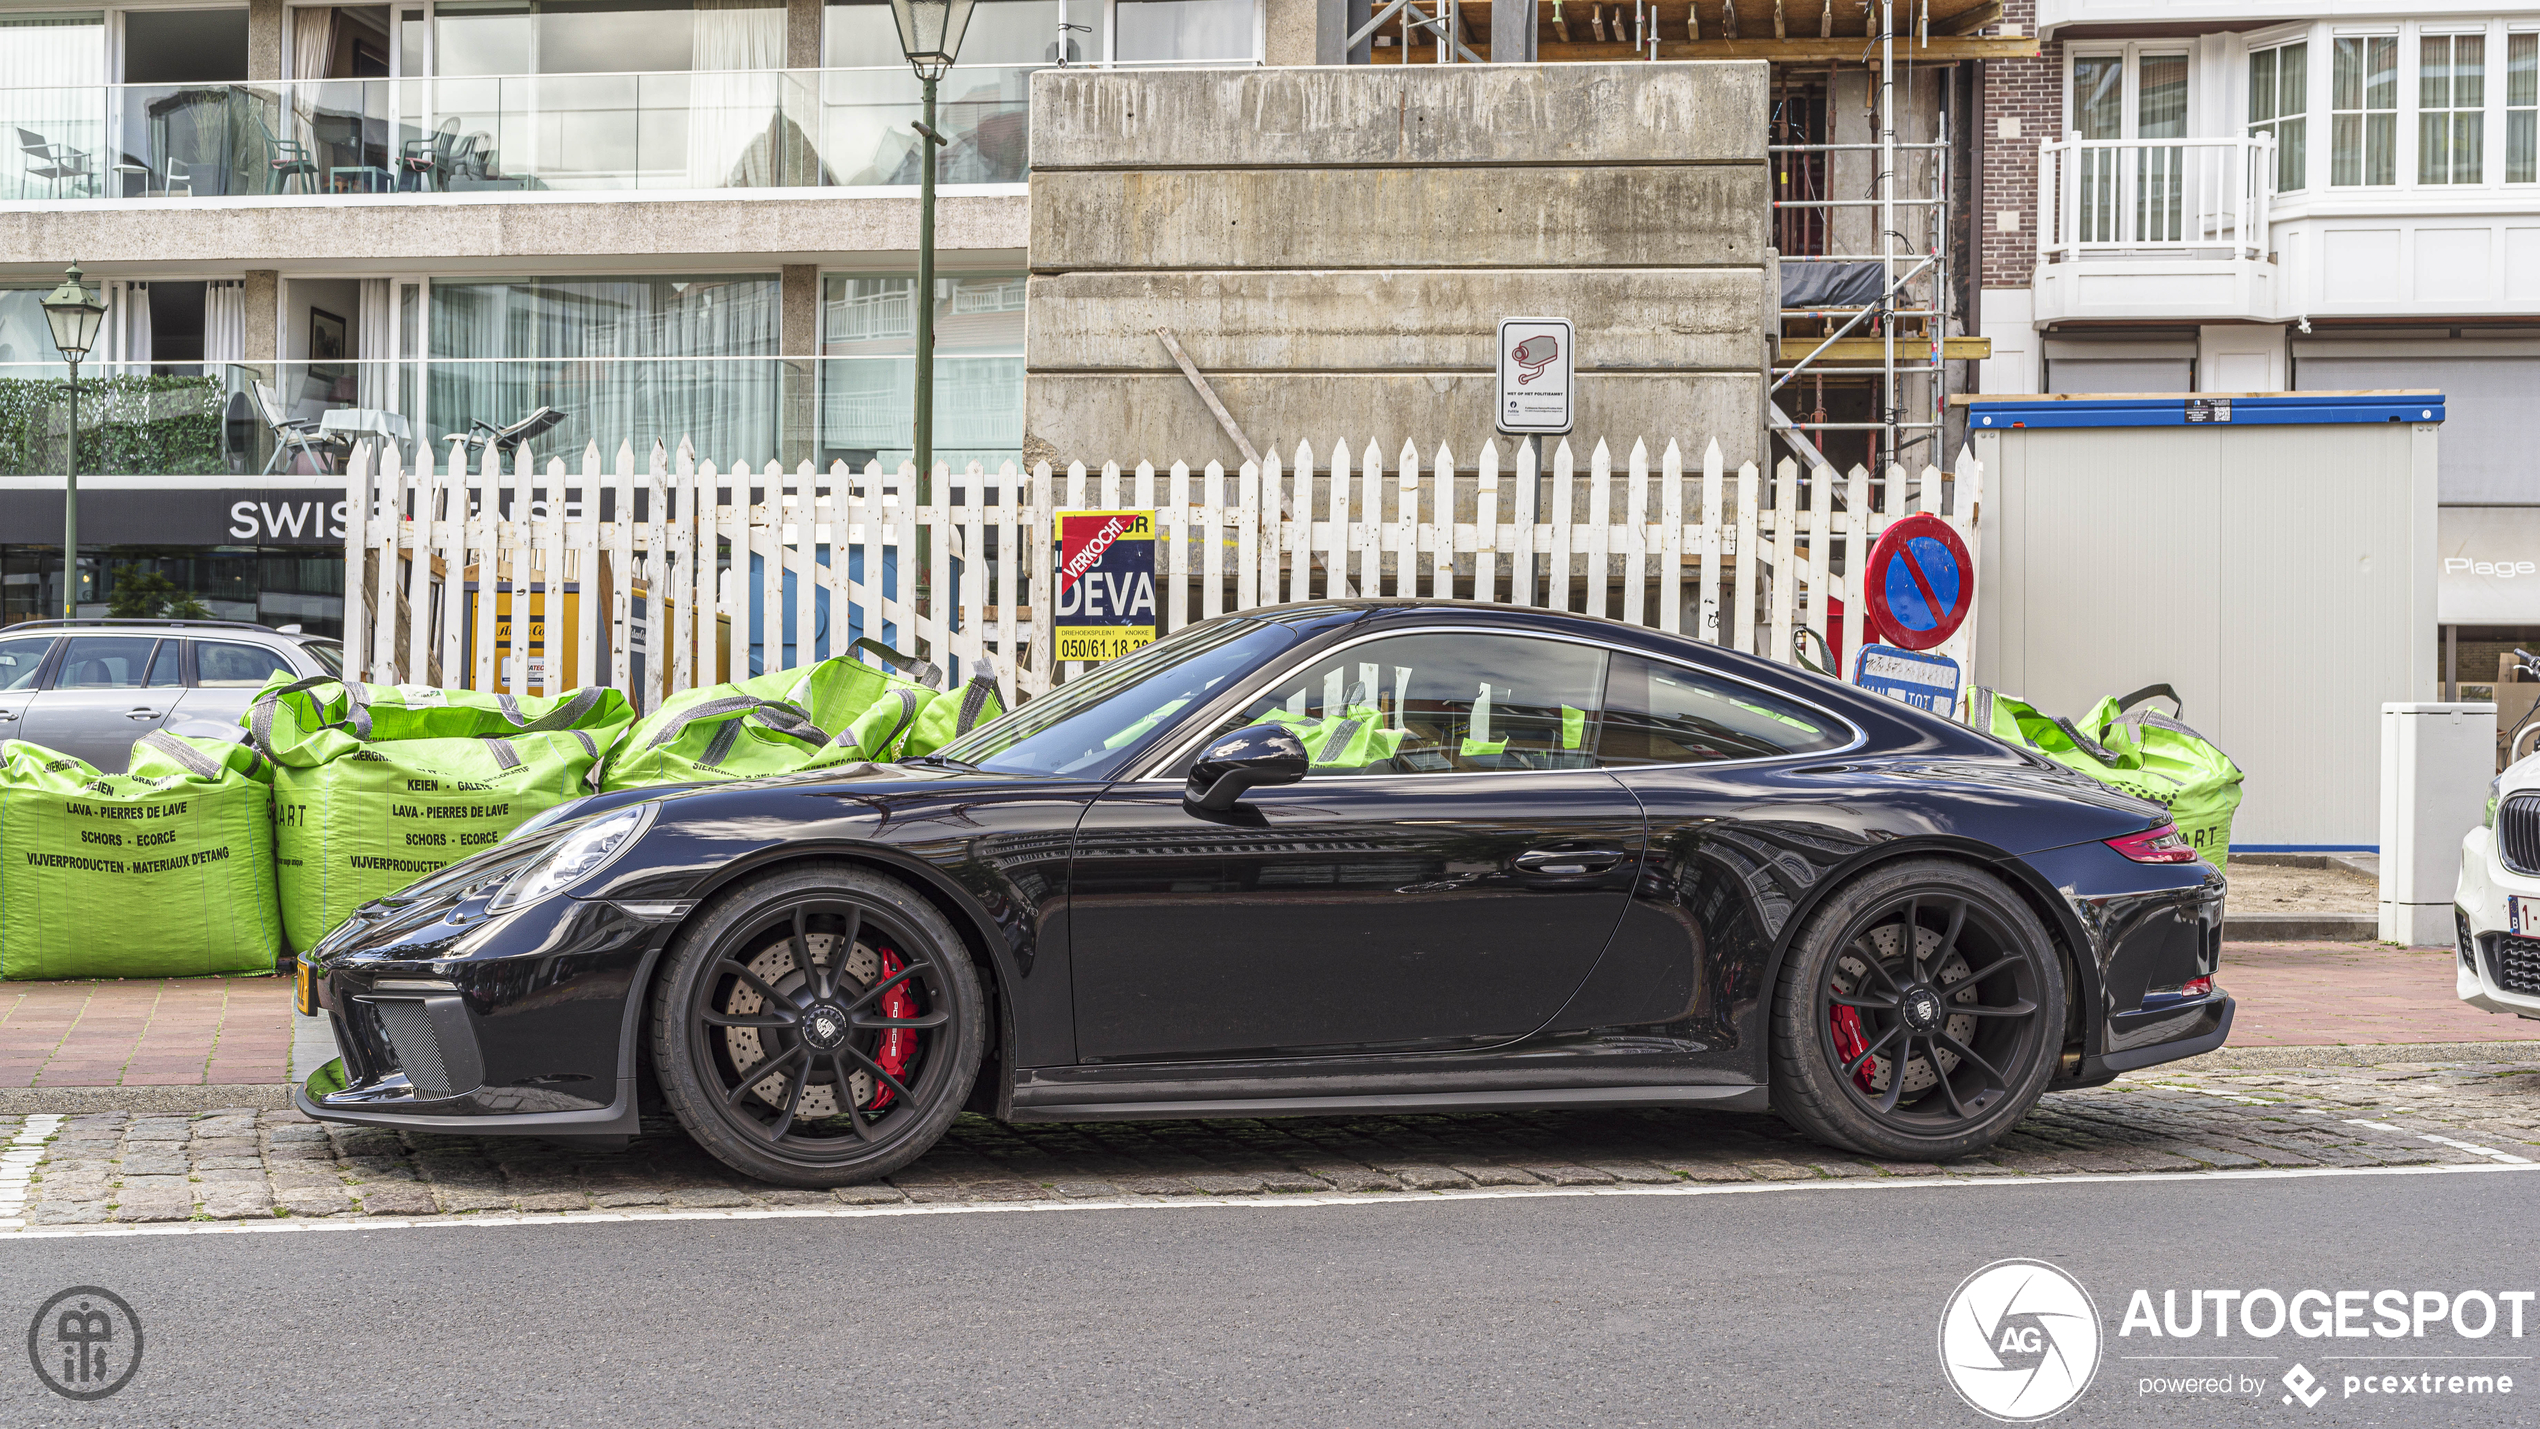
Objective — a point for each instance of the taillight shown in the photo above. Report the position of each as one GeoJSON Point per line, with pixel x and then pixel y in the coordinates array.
{"type": "Point", "coordinates": [2162, 845]}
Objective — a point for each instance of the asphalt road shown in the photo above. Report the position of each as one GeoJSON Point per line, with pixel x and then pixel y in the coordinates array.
{"type": "Point", "coordinates": [1801, 1307]}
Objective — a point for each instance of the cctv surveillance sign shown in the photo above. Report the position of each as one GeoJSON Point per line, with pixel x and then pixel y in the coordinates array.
{"type": "Point", "coordinates": [1534, 376]}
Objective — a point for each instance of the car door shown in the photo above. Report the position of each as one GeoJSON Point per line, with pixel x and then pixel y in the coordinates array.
{"type": "Point", "coordinates": [227, 674]}
{"type": "Point", "coordinates": [1445, 876]}
{"type": "Point", "coordinates": [21, 663]}
{"type": "Point", "coordinates": [106, 691]}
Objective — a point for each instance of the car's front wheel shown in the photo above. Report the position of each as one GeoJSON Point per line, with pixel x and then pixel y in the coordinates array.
{"type": "Point", "coordinates": [818, 1026]}
{"type": "Point", "coordinates": [1919, 1014]}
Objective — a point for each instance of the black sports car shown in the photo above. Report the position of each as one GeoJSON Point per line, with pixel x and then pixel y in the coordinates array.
{"type": "Point", "coordinates": [1315, 859]}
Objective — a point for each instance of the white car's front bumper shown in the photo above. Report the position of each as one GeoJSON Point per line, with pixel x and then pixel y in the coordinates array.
{"type": "Point", "coordinates": [2486, 885]}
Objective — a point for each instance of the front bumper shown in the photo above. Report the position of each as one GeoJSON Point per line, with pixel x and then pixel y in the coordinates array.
{"type": "Point", "coordinates": [523, 1022]}
{"type": "Point", "coordinates": [2492, 969]}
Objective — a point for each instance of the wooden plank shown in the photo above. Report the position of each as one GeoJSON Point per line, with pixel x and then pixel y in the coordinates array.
{"type": "Point", "coordinates": [1486, 526]}
{"type": "Point", "coordinates": [1820, 557]}
{"type": "Point", "coordinates": [385, 534]}
{"type": "Point", "coordinates": [1600, 532]}
{"type": "Point", "coordinates": [1749, 559]}
{"type": "Point", "coordinates": [490, 565]}
{"type": "Point", "coordinates": [418, 606]}
{"type": "Point", "coordinates": [1707, 623]}
{"type": "Point", "coordinates": [358, 505]}
{"type": "Point", "coordinates": [1442, 524]}
{"type": "Point", "coordinates": [457, 523]}
{"type": "Point", "coordinates": [1336, 527]}
{"type": "Point", "coordinates": [1366, 532]}
{"type": "Point", "coordinates": [621, 572]}
{"type": "Point", "coordinates": [1212, 540]}
{"type": "Point", "coordinates": [1671, 538]}
{"type": "Point", "coordinates": [1173, 551]}
{"type": "Point", "coordinates": [596, 606]}
{"type": "Point", "coordinates": [1406, 532]}
{"type": "Point", "coordinates": [1874, 350]}
{"type": "Point", "coordinates": [1248, 534]}
{"type": "Point", "coordinates": [1564, 481]}
{"type": "Point", "coordinates": [1856, 556]}
{"type": "Point", "coordinates": [1636, 535]}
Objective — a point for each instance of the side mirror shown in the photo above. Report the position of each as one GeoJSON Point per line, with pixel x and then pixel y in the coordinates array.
{"type": "Point", "coordinates": [1262, 754]}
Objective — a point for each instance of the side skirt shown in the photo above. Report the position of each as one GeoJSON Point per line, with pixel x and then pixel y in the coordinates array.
{"type": "Point", "coordinates": [1711, 1097]}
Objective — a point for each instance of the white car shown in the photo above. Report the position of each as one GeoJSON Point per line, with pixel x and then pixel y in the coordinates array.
{"type": "Point", "coordinates": [2497, 908]}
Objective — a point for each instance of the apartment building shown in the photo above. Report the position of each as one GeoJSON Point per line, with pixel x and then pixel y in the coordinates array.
{"type": "Point", "coordinates": [2227, 195]}
{"type": "Point", "coordinates": [618, 220]}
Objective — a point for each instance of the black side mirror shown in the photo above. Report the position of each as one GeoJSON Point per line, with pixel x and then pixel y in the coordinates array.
{"type": "Point", "coordinates": [1263, 754]}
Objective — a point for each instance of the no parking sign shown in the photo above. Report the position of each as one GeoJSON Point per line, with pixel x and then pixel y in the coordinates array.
{"type": "Point", "coordinates": [1920, 584]}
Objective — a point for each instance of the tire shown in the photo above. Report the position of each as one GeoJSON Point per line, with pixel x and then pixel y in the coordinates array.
{"type": "Point", "coordinates": [824, 1075]}
{"type": "Point", "coordinates": [1977, 1008]}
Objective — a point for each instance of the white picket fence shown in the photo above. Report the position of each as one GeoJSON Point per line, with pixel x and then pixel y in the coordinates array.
{"type": "Point", "coordinates": [1656, 543]}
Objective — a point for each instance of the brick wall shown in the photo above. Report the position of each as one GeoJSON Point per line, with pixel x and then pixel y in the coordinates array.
{"type": "Point", "coordinates": [2031, 90]}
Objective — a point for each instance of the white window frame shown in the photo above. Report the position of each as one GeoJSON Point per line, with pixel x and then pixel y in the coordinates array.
{"type": "Point", "coordinates": [2412, 67]}
{"type": "Point", "coordinates": [2280, 40]}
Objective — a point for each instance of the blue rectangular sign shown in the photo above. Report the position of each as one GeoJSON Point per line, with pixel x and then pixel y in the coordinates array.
{"type": "Point", "coordinates": [1925, 681]}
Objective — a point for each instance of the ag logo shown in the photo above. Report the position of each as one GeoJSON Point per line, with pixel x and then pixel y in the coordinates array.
{"type": "Point", "coordinates": [2019, 1340]}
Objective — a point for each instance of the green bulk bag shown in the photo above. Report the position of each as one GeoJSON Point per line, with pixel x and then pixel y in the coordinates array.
{"type": "Point", "coordinates": [164, 871]}
{"type": "Point", "coordinates": [2208, 782]}
{"type": "Point", "coordinates": [384, 784]}
{"type": "Point", "coordinates": [917, 717]}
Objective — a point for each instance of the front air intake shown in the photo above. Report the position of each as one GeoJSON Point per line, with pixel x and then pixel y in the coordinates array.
{"type": "Point", "coordinates": [416, 1047]}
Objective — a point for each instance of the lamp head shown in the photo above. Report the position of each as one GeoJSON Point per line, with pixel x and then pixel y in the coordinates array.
{"type": "Point", "coordinates": [930, 33]}
{"type": "Point", "coordinates": [74, 314]}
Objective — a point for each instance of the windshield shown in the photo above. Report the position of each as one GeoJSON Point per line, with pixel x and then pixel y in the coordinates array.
{"type": "Point", "coordinates": [1078, 727]}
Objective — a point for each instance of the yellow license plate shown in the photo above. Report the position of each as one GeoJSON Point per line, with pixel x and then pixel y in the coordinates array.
{"type": "Point", "coordinates": [304, 988]}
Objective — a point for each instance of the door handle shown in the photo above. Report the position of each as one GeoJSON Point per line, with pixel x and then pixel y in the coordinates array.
{"type": "Point", "coordinates": [1569, 861]}
{"type": "Point", "coordinates": [140, 713]}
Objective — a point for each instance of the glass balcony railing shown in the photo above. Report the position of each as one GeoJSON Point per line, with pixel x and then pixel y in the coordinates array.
{"type": "Point", "coordinates": [304, 418]}
{"type": "Point", "coordinates": [686, 130]}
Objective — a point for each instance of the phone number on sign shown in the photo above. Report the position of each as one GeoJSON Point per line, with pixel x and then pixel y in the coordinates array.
{"type": "Point", "coordinates": [1101, 644]}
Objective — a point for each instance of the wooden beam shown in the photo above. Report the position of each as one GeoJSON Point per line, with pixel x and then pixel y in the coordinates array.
{"type": "Point", "coordinates": [1969, 22]}
{"type": "Point", "coordinates": [1871, 349]}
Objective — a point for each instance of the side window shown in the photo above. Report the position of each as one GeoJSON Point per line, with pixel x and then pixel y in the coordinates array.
{"type": "Point", "coordinates": [105, 662]}
{"type": "Point", "coordinates": [1424, 704]}
{"type": "Point", "coordinates": [20, 659]}
{"type": "Point", "coordinates": [164, 670]}
{"type": "Point", "coordinates": [225, 665]}
{"type": "Point", "coordinates": [1668, 714]}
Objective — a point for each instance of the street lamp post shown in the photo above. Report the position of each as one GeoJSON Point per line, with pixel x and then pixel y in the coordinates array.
{"type": "Point", "coordinates": [930, 35]}
{"type": "Point", "coordinates": [74, 316]}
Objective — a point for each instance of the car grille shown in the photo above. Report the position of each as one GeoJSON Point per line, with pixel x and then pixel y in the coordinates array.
{"type": "Point", "coordinates": [2518, 833]}
{"type": "Point", "coordinates": [2515, 963]}
{"type": "Point", "coordinates": [2467, 943]}
{"type": "Point", "coordinates": [416, 1047]}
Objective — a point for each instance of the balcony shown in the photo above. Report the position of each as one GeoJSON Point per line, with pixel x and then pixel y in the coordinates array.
{"type": "Point", "coordinates": [580, 133]}
{"type": "Point", "coordinates": [2163, 229]}
{"type": "Point", "coordinates": [302, 418]}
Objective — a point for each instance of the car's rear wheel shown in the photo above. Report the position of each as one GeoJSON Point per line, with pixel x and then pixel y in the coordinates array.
{"type": "Point", "coordinates": [819, 1026]}
{"type": "Point", "coordinates": [1919, 1014]}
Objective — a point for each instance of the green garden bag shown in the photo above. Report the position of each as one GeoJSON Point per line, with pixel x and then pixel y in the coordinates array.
{"type": "Point", "coordinates": [2208, 782]}
{"type": "Point", "coordinates": [381, 785]}
{"type": "Point", "coordinates": [839, 711]}
{"type": "Point", "coordinates": [165, 871]}
{"type": "Point", "coordinates": [2147, 755]}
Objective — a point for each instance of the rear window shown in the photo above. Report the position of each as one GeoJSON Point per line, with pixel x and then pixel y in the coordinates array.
{"type": "Point", "coordinates": [329, 657]}
{"type": "Point", "coordinates": [226, 665]}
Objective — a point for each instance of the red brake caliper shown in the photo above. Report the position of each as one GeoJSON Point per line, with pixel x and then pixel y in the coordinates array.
{"type": "Point", "coordinates": [899, 1044]}
{"type": "Point", "coordinates": [1848, 1043]}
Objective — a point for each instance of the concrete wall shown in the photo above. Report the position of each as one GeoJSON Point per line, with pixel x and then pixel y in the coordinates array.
{"type": "Point", "coordinates": [1335, 246]}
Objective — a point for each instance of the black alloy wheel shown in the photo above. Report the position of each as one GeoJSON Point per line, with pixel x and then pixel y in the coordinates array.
{"type": "Point", "coordinates": [1919, 1015]}
{"type": "Point", "coordinates": [817, 1027]}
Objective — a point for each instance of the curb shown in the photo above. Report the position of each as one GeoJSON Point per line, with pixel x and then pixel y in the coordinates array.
{"type": "Point", "coordinates": [2362, 1054]}
{"type": "Point", "coordinates": [2301, 928]}
{"type": "Point", "coordinates": [265, 1096]}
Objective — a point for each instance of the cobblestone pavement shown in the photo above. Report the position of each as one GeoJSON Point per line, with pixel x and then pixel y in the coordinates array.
{"type": "Point", "coordinates": [106, 1168]}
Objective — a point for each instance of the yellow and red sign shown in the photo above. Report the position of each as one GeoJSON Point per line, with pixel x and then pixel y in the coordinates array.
{"type": "Point", "coordinates": [1106, 583]}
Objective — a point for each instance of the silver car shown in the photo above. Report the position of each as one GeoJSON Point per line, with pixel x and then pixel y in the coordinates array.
{"type": "Point", "coordinates": [89, 688]}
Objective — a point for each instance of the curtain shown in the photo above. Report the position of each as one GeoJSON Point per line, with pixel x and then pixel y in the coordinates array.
{"type": "Point", "coordinates": [629, 359]}
{"type": "Point", "coordinates": [224, 324]}
{"type": "Point", "coordinates": [136, 324]}
{"type": "Point", "coordinates": [56, 64]}
{"type": "Point", "coordinates": [312, 53]}
{"type": "Point", "coordinates": [733, 134]}
{"type": "Point", "coordinates": [373, 375]}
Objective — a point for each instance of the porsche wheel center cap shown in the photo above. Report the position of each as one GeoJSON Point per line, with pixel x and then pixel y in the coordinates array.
{"type": "Point", "coordinates": [825, 1026]}
{"type": "Point", "coordinates": [1921, 1009]}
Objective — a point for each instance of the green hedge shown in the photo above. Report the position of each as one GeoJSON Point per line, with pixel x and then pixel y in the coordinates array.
{"type": "Point", "coordinates": [127, 425]}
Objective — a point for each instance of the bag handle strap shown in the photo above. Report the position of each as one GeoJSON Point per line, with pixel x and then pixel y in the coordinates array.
{"type": "Point", "coordinates": [786, 719]}
{"type": "Point", "coordinates": [260, 718]}
{"type": "Point", "coordinates": [975, 695]}
{"type": "Point", "coordinates": [908, 716]}
{"type": "Point", "coordinates": [196, 762]}
{"type": "Point", "coordinates": [2085, 743]}
{"type": "Point", "coordinates": [924, 672]}
{"type": "Point", "coordinates": [2148, 692]}
{"type": "Point", "coordinates": [563, 716]}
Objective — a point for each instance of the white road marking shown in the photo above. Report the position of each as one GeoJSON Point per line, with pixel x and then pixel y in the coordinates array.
{"type": "Point", "coordinates": [1191, 1203]}
{"type": "Point", "coordinates": [2489, 1151]}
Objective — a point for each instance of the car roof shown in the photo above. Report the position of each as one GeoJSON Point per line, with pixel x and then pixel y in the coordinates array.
{"type": "Point", "coordinates": [244, 627]}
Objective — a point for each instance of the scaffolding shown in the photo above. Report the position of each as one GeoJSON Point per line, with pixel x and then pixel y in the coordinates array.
{"type": "Point", "coordinates": [1910, 377]}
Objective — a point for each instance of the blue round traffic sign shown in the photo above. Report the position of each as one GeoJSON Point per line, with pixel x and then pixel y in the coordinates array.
{"type": "Point", "coordinates": [1920, 584]}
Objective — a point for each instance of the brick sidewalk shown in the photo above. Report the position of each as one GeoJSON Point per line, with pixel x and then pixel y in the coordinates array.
{"type": "Point", "coordinates": [196, 1031]}
{"type": "Point", "coordinates": [237, 1031]}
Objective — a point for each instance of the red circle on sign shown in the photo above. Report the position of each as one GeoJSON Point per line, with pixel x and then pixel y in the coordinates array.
{"type": "Point", "coordinates": [1943, 603]}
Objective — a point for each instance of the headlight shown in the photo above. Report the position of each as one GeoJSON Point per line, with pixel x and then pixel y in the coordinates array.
{"type": "Point", "coordinates": [576, 856]}
{"type": "Point", "coordinates": [547, 818]}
